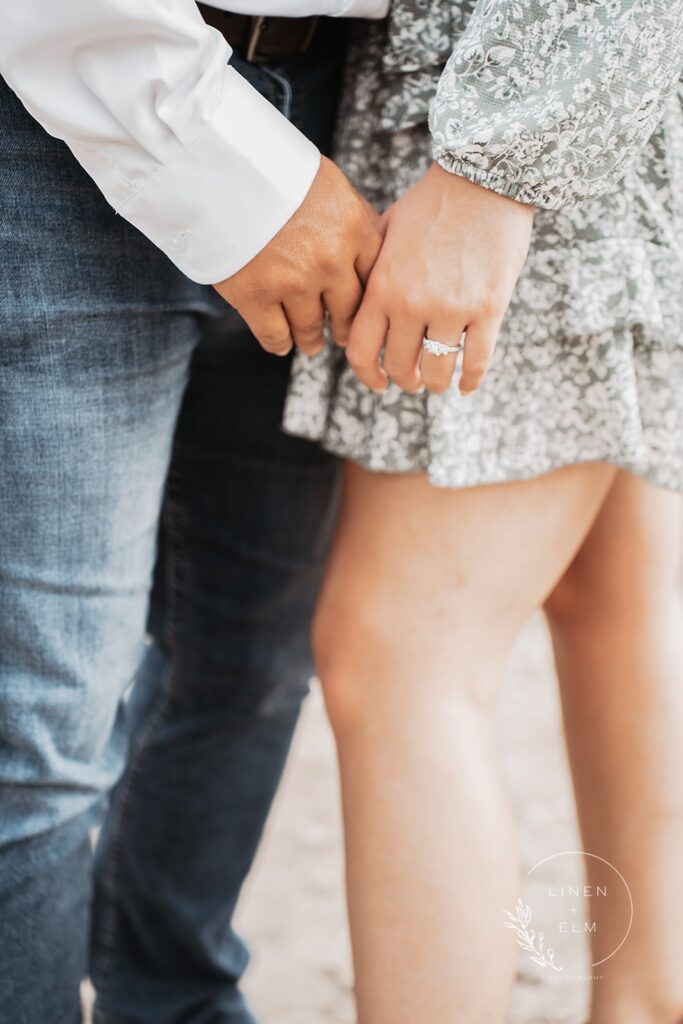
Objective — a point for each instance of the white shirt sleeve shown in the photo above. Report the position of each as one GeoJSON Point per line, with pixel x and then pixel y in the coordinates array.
{"type": "Point", "coordinates": [305, 8]}
{"type": "Point", "coordinates": [180, 144]}
{"type": "Point", "coordinates": [365, 9]}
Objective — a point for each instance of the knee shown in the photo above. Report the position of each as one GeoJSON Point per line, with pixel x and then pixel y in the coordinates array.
{"type": "Point", "coordinates": [348, 640]}
{"type": "Point", "coordinates": [378, 662]}
{"type": "Point", "coordinates": [44, 790]}
{"type": "Point", "coordinates": [62, 747]}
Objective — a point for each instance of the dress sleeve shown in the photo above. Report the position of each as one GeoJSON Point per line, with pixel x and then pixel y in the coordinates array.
{"type": "Point", "coordinates": [550, 102]}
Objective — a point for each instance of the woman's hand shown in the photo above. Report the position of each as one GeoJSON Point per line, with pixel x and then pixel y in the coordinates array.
{"type": "Point", "coordinates": [451, 256]}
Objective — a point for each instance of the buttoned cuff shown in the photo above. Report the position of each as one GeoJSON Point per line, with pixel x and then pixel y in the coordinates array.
{"type": "Point", "coordinates": [365, 9]}
{"type": "Point", "coordinates": [223, 197]}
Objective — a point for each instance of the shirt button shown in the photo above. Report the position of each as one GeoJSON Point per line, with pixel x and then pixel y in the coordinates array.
{"type": "Point", "coordinates": [176, 243]}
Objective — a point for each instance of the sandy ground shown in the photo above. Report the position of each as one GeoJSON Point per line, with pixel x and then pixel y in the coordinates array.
{"type": "Point", "coordinates": [292, 912]}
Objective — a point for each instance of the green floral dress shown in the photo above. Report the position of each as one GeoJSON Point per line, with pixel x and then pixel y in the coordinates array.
{"type": "Point", "coordinates": [573, 106]}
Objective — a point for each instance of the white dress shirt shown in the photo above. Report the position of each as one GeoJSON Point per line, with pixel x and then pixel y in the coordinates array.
{"type": "Point", "coordinates": [179, 143]}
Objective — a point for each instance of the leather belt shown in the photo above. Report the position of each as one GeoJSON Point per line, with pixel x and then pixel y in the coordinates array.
{"type": "Point", "coordinates": [262, 38]}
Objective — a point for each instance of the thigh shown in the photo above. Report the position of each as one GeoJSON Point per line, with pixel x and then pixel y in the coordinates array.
{"type": "Point", "coordinates": [426, 579]}
{"type": "Point", "coordinates": [629, 563]}
{"type": "Point", "coordinates": [96, 332]}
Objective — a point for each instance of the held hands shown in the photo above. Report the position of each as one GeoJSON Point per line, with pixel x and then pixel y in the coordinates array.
{"type": "Point", "coordinates": [319, 261]}
{"type": "Point", "coordinates": [451, 256]}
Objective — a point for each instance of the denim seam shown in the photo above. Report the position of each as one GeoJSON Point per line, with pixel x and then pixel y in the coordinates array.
{"type": "Point", "coordinates": [110, 921]}
{"type": "Point", "coordinates": [286, 91]}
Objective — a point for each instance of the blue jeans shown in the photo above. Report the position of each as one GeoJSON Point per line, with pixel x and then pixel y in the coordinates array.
{"type": "Point", "coordinates": [99, 335]}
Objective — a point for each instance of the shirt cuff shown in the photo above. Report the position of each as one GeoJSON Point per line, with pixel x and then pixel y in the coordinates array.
{"type": "Point", "coordinates": [365, 9]}
{"type": "Point", "coordinates": [223, 197]}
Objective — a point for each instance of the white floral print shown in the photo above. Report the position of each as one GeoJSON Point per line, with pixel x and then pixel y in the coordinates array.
{"type": "Point", "coordinates": [575, 106]}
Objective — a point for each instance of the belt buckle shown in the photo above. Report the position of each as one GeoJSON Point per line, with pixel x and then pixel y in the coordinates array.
{"type": "Point", "coordinates": [257, 25]}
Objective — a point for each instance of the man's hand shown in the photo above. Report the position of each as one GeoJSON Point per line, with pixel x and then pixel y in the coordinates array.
{"type": "Point", "coordinates": [320, 260]}
{"type": "Point", "coordinates": [451, 256]}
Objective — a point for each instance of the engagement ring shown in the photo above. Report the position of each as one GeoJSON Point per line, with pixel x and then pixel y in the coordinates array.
{"type": "Point", "coordinates": [439, 348]}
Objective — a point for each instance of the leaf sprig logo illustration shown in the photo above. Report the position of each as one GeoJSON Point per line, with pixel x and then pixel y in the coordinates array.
{"type": "Point", "coordinates": [527, 938]}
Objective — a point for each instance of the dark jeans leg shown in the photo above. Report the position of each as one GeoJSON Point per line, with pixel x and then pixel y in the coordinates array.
{"type": "Point", "coordinates": [249, 514]}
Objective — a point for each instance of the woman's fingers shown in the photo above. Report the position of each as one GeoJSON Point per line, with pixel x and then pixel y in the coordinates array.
{"type": "Point", "coordinates": [480, 341]}
{"type": "Point", "coordinates": [402, 354]}
{"type": "Point", "coordinates": [271, 329]}
{"type": "Point", "coordinates": [366, 259]}
{"type": "Point", "coordinates": [342, 304]}
{"type": "Point", "coordinates": [306, 319]}
{"type": "Point", "coordinates": [366, 340]}
{"type": "Point", "coordinates": [406, 363]}
{"type": "Point", "coordinates": [437, 368]}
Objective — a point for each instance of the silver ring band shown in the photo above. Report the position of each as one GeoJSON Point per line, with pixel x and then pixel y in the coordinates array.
{"type": "Point", "coordinates": [439, 348]}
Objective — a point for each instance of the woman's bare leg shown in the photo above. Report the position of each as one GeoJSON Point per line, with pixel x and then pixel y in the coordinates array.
{"type": "Point", "coordinates": [426, 589]}
{"type": "Point", "coordinates": [618, 636]}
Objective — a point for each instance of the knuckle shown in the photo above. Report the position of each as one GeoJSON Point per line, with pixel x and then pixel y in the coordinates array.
{"type": "Point", "coordinates": [492, 304]}
{"type": "Point", "coordinates": [340, 334]}
{"type": "Point", "coordinates": [437, 387]}
{"type": "Point", "coordinates": [468, 383]}
{"type": "Point", "coordinates": [266, 285]}
{"type": "Point", "coordinates": [378, 286]}
{"type": "Point", "coordinates": [331, 259]}
{"type": "Point", "coordinates": [413, 303]}
{"type": "Point", "coordinates": [358, 361]}
{"type": "Point", "coordinates": [395, 369]}
{"type": "Point", "coordinates": [358, 220]}
{"type": "Point", "coordinates": [296, 290]}
{"type": "Point", "coordinates": [456, 315]}
{"type": "Point", "coordinates": [476, 369]}
{"type": "Point", "coordinates": [404, 381]}
{"type": "Point", "coordinates": [435, 381]}
{"type": "Point", "coordinates": [329, 262]}
{"type": "Point", "coordinates": [310, 350]}
{"type": "Point", "coordinates": [275, 342]}
{"type": "Point", "coordinates": [310, 329]}
{"type": "Point", "coordinates": [399, 373]}
{"type": "Point", "coordinates": [357, 364]}
{"type": "Point", "coordinates": [344, 316]}
{"type": "Point", "coordinates": [341, 325]}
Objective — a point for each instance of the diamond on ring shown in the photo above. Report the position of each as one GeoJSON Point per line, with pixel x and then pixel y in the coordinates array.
{"type": "Point", "coordinates": [439, 348]}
